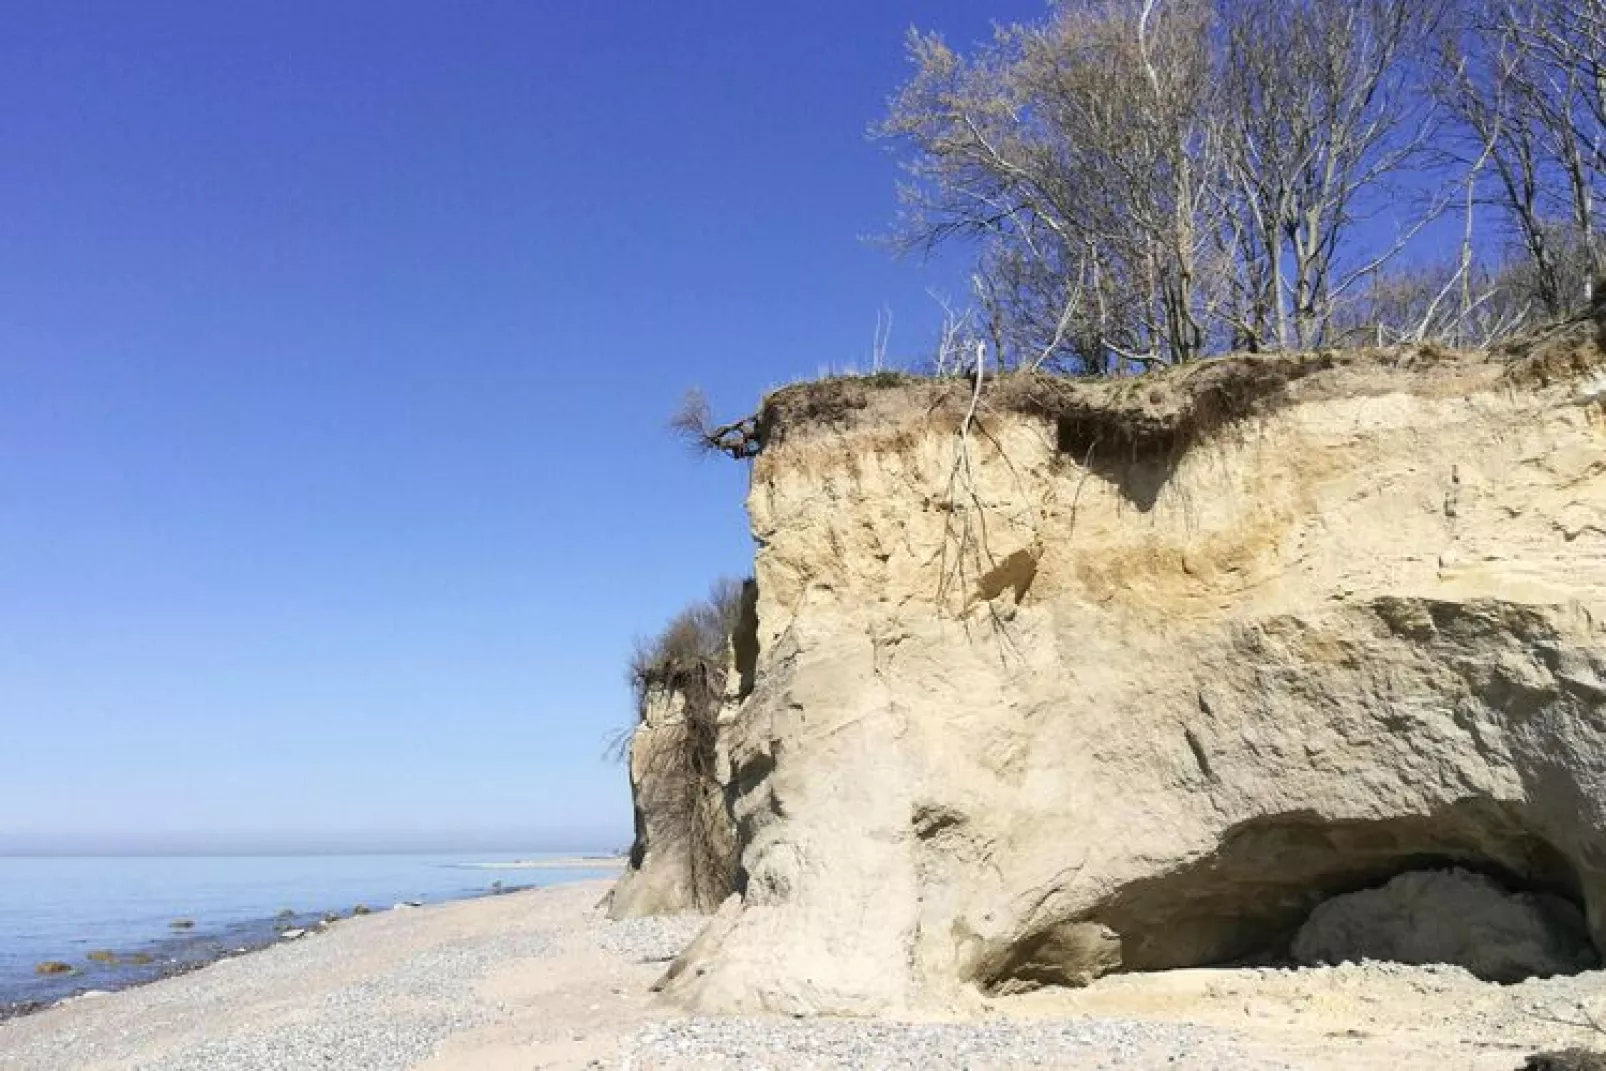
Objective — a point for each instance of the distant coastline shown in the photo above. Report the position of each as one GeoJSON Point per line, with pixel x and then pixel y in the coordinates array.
{"type": "Point", "coordinates": [573, 862]}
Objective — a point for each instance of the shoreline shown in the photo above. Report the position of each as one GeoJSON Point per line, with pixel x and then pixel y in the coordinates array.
{"type": "Point", "coordinates": [184, 952]}
{"type": "Point", "coordinates": [568, 862]}
{"type": "Point", "coordinates": [392, 990]}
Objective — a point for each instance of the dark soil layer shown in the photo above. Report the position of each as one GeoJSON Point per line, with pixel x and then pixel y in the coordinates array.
{"type": "Point", "coordinates": [1162, 413]}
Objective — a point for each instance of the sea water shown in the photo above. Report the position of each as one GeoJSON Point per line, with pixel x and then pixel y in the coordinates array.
{"type": "Point", "coordinates": [63, 908]}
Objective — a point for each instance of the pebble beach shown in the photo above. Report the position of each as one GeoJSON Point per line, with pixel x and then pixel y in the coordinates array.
{"type": "Point", "coordinates": [541, 979]}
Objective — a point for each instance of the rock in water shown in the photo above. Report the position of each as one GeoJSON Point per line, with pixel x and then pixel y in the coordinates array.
{"type": "Point", "coordinates": [1133, 674]}
{"type": "Point", "coordinates": [1452, 917]}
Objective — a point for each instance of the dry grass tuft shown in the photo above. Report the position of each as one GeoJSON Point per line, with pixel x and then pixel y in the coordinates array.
{"type": "Point", "coordinates": [1555, 355]}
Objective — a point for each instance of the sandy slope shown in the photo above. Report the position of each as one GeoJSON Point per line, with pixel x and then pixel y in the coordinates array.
{"type": "Point", "coordinates": [539, 979]}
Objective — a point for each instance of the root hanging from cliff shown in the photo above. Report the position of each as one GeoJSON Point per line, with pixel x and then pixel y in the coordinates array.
{"type": "Point", "coordinates": [968, 570]}
{"type": "Point", "coordinates": [966, 527]}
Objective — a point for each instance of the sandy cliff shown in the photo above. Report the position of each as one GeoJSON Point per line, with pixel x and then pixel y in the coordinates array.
{"type": "Point", "coordinates": [1080, 678]}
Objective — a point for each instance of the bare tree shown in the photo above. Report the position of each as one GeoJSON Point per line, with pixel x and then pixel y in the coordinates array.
{"type": "Point", "coordinates": [1322, 115]}
{"type": "Point", "coordinates": [1523, 81]}
{"type": "Point", "coordinates": [1074, 152]}
{"type": "Point", "coordinates": [1567, 74]}
{"type": "Point", "coordinates": [1153, 180]}
{"type": "Point", "coordinates": [1148, 181]}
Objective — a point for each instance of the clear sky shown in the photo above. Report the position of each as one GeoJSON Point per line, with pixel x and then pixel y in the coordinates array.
{"type": "Point", "coordinates": [336, 345]}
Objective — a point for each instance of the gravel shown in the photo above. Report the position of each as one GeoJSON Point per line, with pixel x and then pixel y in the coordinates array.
{"type": "Point", "coordinates": [387, 1022]}
{"type": "Point", "coordinates": [756, 1045]}
{"type": "Point", "coordinates": [650, 940]}
{"type": "Point", "coordinates": [311, 1004]}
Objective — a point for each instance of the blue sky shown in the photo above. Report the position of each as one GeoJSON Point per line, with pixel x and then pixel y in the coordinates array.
{"type": "Point", "coordinates": [336, 345]}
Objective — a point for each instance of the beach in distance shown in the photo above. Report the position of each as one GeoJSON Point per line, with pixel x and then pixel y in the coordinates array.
{"type": "Point", "coordinates": [567, 862]}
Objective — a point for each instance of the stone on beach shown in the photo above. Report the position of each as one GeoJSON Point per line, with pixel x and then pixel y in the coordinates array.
{"type": "Point", "coordinates": [1566, 1060]}
{"type": "Point", "coordinates": [1451, 917]}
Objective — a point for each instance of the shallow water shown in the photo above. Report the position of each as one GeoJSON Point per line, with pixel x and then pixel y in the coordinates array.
{"type": "Point", "coordinates": [63, 908]}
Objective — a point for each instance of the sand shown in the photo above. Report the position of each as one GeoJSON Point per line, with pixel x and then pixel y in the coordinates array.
{"type": "Point", "coordinates": [571, 862]}
{"type": "Point", "coordinates": [540, 979]}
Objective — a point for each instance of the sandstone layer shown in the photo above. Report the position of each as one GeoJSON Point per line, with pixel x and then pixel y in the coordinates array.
{"type": "Point", "coordinates": [1056, 680]}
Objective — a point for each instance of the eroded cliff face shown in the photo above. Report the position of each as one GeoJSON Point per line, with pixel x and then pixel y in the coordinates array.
{"type": "Point", "coordinates": [684, 856]}
{"type": "Point", "coordinates": [1039, 696]}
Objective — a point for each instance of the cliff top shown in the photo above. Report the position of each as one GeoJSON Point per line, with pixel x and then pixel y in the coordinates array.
{"type": "Point", "coordinates": [1167, 410]}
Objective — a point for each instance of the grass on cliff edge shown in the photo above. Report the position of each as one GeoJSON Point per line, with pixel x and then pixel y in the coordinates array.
{"type": "Point", "coordinates": [1158, 413]}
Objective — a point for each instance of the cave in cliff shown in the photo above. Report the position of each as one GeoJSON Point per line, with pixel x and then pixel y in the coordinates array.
{"type": "Point", "coordinates": [1471, 886]}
